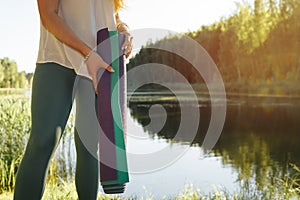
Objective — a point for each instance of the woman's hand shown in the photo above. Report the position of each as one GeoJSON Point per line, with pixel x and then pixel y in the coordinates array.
{"type": "Point", "coordinates": [124, 29]}
{"type": "Point", "coordinates": [127, 45]}
{"type": "Point", "coordinates": [94, 62]}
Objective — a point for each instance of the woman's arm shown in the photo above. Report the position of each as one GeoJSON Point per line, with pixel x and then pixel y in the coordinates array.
{"type": "Point", "coordinates": [48, 10]}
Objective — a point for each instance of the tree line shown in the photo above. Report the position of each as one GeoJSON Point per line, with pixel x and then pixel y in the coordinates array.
{"type": "Point", "coordinates": [10, 77]}
{"type": "Point", "coordinates": [257, 45]}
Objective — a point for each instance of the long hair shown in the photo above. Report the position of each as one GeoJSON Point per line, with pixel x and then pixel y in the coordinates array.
{"type": "Point", "coordinates": [118, 4]}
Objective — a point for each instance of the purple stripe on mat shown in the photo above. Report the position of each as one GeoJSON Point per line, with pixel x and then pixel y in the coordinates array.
{"type": "Point", "coordinates": [107, 151]}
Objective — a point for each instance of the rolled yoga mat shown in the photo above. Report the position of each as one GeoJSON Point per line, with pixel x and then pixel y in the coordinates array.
{"type": "Point", "coordinates": [111, 113]}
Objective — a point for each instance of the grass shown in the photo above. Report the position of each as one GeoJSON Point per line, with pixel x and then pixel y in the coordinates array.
{"type": "Point", "coordinates": [62, 191]}
{"type": "Point", "coordinates": [59, 189]}
{"type": "Point", "coordinates": [286, 188]}
{"type": "Point", "coordinates": [14, 129]}
{"type": "Point", "coordinates": [67, 191]}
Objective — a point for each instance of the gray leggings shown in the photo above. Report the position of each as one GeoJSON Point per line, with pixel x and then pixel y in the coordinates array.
{"type": "Point", "coordinates": [51, 103]}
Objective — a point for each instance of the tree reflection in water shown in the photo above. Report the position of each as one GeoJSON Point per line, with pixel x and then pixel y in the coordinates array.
{"type": "Point", "coordinates": [260, 139]}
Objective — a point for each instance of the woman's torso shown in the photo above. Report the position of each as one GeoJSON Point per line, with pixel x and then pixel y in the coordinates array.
{"type": "Point", "coordinates": [85, 18]}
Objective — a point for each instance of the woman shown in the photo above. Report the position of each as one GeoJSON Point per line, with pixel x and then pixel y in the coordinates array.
{"type": "Point", "coordinates": [68, 34]}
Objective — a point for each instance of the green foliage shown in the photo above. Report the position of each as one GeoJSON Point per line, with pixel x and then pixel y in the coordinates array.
{"type": "Point", "coordinates": [10, 77]}
{"type": "Point", "coordinates": [14, 130]}
{"type": "Point", "coordinates": [256, 45]}
{"type": "Point", "coordinates": [15, 126]}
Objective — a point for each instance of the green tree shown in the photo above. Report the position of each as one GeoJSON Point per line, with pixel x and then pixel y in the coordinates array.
{"type": "Point", "coordinates": [21, 80]}
{"type": "Point", "coordinates": [10, 77]}
{"type": "Point", "coordinates": [10, 73]}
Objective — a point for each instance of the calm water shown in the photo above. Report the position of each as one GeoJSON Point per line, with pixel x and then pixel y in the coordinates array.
{"type": "Point", "coordinates": [261, 136]}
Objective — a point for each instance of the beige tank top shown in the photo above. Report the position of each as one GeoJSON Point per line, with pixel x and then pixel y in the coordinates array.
{"type": "Point", "coordinates": [85, 18]}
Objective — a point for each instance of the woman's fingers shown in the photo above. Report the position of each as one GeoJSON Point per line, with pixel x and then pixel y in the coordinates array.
{"type": "Point", "coordinates": [94, 63]}
{"type": "Point", "coordinates": [127, 40]}
{"type": "Point", "coordinates": [95, 78]}
{"type": "Point", "coordinates": [127, 45]}
{"type": "Point", "coordinates": [110, 69]}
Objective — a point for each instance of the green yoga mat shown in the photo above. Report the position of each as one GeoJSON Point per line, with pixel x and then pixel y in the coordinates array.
{"type": "Point", "coordinates": [111, 112]}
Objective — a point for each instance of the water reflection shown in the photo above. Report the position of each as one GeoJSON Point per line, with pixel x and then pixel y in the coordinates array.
{"type": "Point", "coordinates": [261, 136]}
{"type": "Point", "coordinates": [259, 140]}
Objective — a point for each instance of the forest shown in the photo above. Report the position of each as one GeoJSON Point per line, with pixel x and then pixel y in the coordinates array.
{"type": "Point", "coordinates": [256, 49]}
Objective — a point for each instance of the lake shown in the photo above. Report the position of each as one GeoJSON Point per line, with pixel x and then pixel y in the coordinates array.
{"type": "Point", "coordinates": [259, 141]}
{"type": "Point", "coordinates": [261, 136]}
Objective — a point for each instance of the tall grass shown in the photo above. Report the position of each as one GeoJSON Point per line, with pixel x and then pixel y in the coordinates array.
{"type": "Point", "coordinates": [67, 191]}
{"type": "Point", "coordinates": [14, 130]}
{"type": "Point", "coordinates": [15, 126]}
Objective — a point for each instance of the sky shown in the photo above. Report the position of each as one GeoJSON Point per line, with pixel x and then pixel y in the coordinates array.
{"type": "Point", "coordinates": [19, 22]}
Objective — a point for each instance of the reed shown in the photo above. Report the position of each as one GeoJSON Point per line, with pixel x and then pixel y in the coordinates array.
{"type": "Point", "coordinates": [14, 131]}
